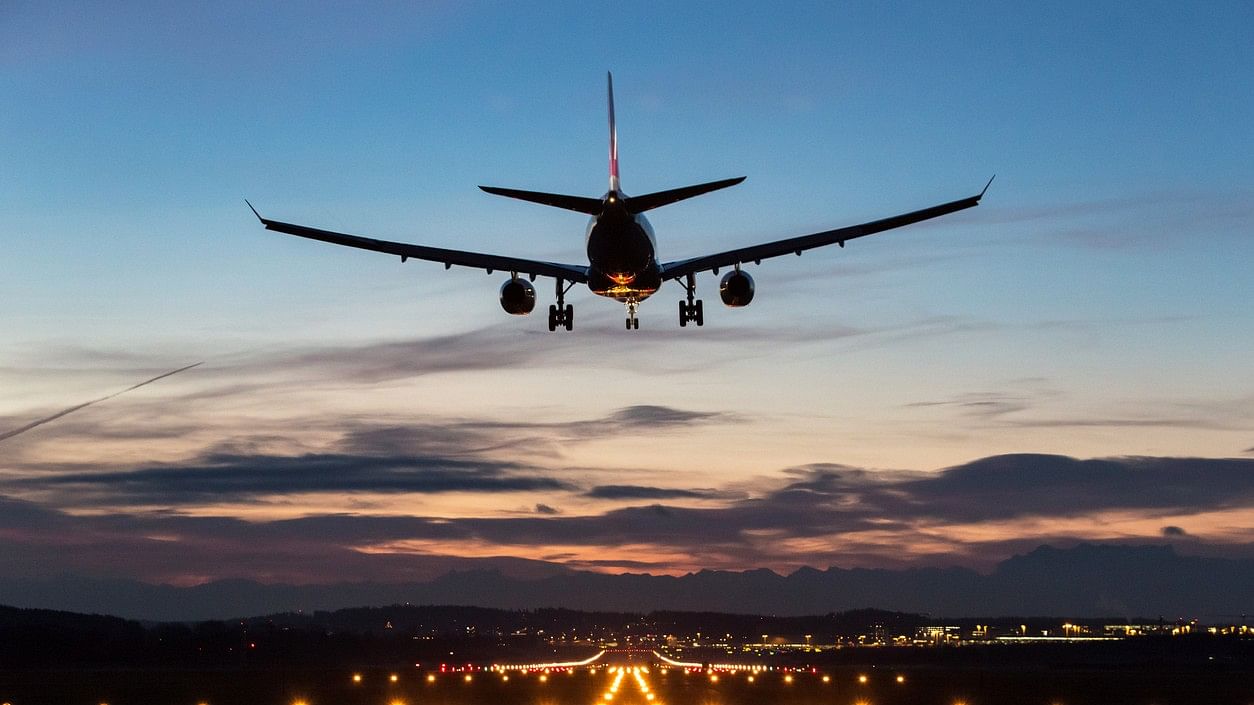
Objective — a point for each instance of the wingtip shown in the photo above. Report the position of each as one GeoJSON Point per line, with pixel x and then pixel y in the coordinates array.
{"type": "Point", "coordinates": [990, 183]}
{"type": "Point", "coordinates": [254, 210]}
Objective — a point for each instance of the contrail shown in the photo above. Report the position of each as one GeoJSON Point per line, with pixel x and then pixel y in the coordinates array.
{"type": "Point", "coordinates": [35, 424]}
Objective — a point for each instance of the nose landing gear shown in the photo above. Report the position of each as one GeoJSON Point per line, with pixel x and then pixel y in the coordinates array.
{"type": "Point", "coordinates": [633, 323]}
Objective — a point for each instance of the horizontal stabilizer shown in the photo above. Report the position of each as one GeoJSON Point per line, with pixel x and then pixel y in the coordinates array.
{"type": "Point", "coordinates": [649, 201]}
{"type": "Point", "coordinates": [581, 204]}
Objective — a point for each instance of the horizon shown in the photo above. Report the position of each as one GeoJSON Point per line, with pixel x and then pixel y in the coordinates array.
{"type": "Point", "coordinates": [1066, 364]}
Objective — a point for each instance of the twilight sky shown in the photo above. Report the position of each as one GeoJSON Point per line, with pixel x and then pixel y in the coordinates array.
{"type": "Point", "coordinates": [1069, 361]}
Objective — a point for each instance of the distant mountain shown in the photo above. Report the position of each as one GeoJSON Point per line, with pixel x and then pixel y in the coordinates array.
{"type": "Point", "coordinates": [1085, 581]}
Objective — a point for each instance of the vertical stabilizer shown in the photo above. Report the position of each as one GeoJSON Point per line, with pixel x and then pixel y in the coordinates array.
{"type": "Point", "coordinates": [613, 135]}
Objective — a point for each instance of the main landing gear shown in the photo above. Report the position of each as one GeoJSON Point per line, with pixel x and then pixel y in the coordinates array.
{"type": "Point", "coordinates": [562, 314]}
{"type": "Point", "coordinates": [691, 310]}
{"type": "Point", "coordinates": [633, 323]}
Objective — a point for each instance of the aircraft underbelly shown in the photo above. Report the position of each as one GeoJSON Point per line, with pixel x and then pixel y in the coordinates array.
{"type": "Point", "coordinates": [642, 285]}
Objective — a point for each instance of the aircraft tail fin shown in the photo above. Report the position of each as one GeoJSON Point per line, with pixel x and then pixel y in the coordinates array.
{"type": "Point", "coordinates": [649, 201]}
{"type": "Point", "coordinates": [613, 133]}
{"type": "Point", "coordinates": [580, 204]}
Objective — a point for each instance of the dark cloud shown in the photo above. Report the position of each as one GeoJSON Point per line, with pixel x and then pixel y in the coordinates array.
{"type": "Point", "coordinates": [1171, 531]}
{"type": "Point", "coordinates": [650, 416]}
{"type": "Point", "coordinates": [817, 515]}
{"type": "Point", "coordinates": [1009, 486]}
{"type": "Point", "coordinates": [245, 477]}
{"type": "Point", "coordinates": [639, 492]}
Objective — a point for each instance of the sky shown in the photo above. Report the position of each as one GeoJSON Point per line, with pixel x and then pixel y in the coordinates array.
{"type": "Point", "coordinates": [1070, 361]}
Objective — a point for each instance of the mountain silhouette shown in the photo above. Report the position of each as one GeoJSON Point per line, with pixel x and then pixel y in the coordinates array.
{"type": "Point", "coordinates": [1087, 580]}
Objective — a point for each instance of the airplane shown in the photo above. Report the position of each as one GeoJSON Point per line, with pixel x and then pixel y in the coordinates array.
{"type": "Point", "coordinates": [622, 249]}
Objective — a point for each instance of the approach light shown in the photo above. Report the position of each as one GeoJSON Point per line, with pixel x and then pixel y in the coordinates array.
{"type": "Point", "coordinates": [788, 678]}
{"type": "Point", "coordinates": [862, 679]}
{"type": "Point", "coordinates": [356, 677]}
{"type": "Point", "coordinates": [394, 678]}
{"type": "Point", "coordinates": [827, 679]}
{"type": "Point", "coordinates": [901, 679]}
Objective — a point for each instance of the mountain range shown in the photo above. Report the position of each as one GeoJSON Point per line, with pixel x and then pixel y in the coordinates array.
{"type": "Point", "coordinates": [1087, 580]}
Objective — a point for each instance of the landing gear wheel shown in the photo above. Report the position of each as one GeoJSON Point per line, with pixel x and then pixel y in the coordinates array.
{"type": "Point", "coordinates": [570, 317]}
{"type": "Point", "coordinates": [552, 318]}
{"type": "Point", "coordinates": [628, 324]}
{"type": "Point", "coordinates": [700, 316]}
{"type": "Point", "coordinates": [635, 323]}
{"type": "Point", "coordinates": [683, 314]}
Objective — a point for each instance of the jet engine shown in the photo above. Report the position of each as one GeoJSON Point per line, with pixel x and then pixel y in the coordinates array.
{"type": "Point", "coordinates": [518, 297]}
{"type": "Point", "coordinates": [736, 288]}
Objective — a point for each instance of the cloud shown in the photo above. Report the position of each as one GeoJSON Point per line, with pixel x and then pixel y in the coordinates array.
{"type": "Point", "coordinates": [246, 477]}
{"type": "Point", "coordinates": [1172, 531]}
{"type": "Point", "coordinates": [819, 515]}
{"type": "Point", "coordinates": [639, 492]}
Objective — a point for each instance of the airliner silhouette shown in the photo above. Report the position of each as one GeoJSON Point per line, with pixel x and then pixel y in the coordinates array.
{"type": "Point", "coordinates": [622, 250]}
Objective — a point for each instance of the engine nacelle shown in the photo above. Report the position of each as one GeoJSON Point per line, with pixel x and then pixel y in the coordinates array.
{"type": "Point", "coordinates": [736, 288]}
{"type": "Point", "coordinates": [518, 297]}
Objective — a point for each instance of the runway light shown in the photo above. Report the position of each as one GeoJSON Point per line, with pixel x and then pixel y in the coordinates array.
{"type": "Point", "coordinates": [827, 679]}
{"type": "Point", "coordinates": [713, 677]}
{"type": "Point", "coordinates": [394, 677]}
{"type": "Point", "coordinates": [430, 677]}
{"type": "Point", "coordinates": [356, 677]}
{"type": "Point", "coordinates": [788, 678]}
{"type": "Point", "coordinates": [901, 679]}
{"type": "Point", "coordinates": [505, 678]}
{"type": "Point", "coordinates": [398, 701]}
{"type": "Point", "coordinates": [862, 679]}
{"type": "Point", "coordinates": [543, 678]}
{"type": "Point", "coordinates": [750, 679]}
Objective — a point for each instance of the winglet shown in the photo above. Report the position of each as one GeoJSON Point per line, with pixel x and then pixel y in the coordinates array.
{"type": "Point", "coordinates": [254, 210]}
{"type": "Point", "coordinates": [990, 183]}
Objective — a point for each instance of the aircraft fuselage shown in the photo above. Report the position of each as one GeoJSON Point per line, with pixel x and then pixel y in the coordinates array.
{"type": "Point", "coordinates": [622, 253]}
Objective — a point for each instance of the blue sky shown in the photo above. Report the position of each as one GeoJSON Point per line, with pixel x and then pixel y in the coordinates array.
{"type": "Point", "coordinates": [1097, 304]}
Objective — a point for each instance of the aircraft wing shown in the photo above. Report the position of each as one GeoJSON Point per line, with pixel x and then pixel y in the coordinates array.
{"type": "Point", "coordinates": [796, 245]}
{"type": "Point", "coordinates": [476, 260]}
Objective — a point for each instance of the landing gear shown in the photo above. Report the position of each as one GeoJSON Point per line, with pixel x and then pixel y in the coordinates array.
{"type": "Point", "coordinates": [691, 309]}
{"type": "Point", "coordinates": [633, 323]}
{"type": "Point", "coordinates": [562, 314]}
